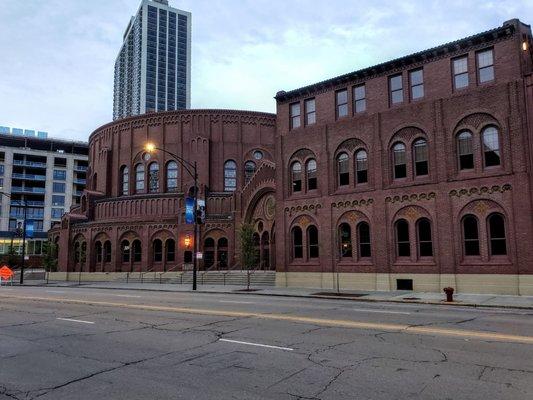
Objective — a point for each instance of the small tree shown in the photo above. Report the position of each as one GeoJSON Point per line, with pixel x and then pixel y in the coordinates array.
{"type": "Point", "coordinates": [249, 254]}
{"type": "Point", "coordinates": [50, 256]}
{"type": "Point", "coordinates": [12, 257]}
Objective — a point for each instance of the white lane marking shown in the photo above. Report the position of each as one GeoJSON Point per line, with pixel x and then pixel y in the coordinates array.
{"type": "Point", "coordinates": [76, 320]}
{"type": "Point", "coordinates": [380, 311]}
{"type": "Point", "coordinates": [126, 295]}
{"type": "Point", "coordinates": [236, 302]}
{"type": "Point", "coordinates": [257, 344]}
{"type": "Point", "coordinates": [55, 291]}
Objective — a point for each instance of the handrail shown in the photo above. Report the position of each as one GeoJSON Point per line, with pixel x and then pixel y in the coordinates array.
{"type": "Point", "coordinates": [168, 270]}
{"type": "Point", "coordinates": [142, 273]}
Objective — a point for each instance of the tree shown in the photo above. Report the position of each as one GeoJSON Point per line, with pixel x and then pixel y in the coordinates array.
{"type": "Point", "coordinates": [50, 256]}
{"type": "Point", "coordinates": [249, 254]}
{"type": "Point", "coordinates": [12, 257]}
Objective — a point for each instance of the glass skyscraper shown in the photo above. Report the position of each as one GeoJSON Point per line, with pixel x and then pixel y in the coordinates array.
{"type": "Point", "coordinates": [153, 68]}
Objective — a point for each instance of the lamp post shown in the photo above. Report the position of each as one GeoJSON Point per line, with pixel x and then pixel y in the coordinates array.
{"type": "Point", "coordinates": [193, 172]}
{"type": "Point", "coordinates": [23, 205]}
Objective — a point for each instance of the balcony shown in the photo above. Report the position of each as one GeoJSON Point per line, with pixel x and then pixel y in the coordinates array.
{"type": "Point", "coordinates": [80, 181]}
{"type": "Point", "coordinates": [80, 168]}
{"type": "Point", "coordinates": [29, 215]}
{"type": "Point", "coordinates": [28, 203]}
{"type": "Point", "coordinates": [31, 177]}
{"type": "Point", "coordinates": [77, 192]}
{"type": "Point", "coordinates": [20, 189]}
{"type": "Point", "coordinates": [26, 163]}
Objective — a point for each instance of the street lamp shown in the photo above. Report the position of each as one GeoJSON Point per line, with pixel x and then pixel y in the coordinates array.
{"type": "Point", "coordinates": [192, 171]}
{"type": "Point", "coordinates": [23, 205]}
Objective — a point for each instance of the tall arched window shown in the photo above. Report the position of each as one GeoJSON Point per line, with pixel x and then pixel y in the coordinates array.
{"type": "Point", "coordinates": [425, 244]}
{"type": "Point", "coordinates": [363, 235]}
{"type": "Point", "coordinates": [471, 236]}
{"type": "Point", "coordinates": [83, 250]}
{"type": "Point", "coordinates": [465, 150]}
{"type": "Point", "coordinates": [107, 251]}
{"type": "Point", "coordinates": [172, 176]}
{"type": "Point", "coordinates": [153, 177]}
{"type": "Point", "coordinates": [209, 252]}
{"type": "Point", "coordinates": [137, 251]}
{"type": "Point", "coordinates": [402, 238]}
{"type": "Point", "coordinates": [249, 171]}
{"type": "Point", "coordinates": [157, 250]}
{"type": "Point", "coordinates": [139, 178]}
{"type": "Point", "coordinates": [420, 149]}
{"type": "Point", "coordinates": [170, 250]}
{"type": "Point", "coordinates": [297, 242]}
{"type": "Point", "coordinates": [222, 252]}
{"type": "Point", "coordinates": [400, 161]}
{"type": "Point", "coordinates": [296, 176]}
{"type": "Point", "coordinates": [125, 250]}
{"type": "Point", "coordinates": [312, 242]}
{"type": "Point", "coordinates": [491, 146]}
{"type": "Point", "coordinates": [77, 255]}
{"type": "Point", "coordinates": [230, 176]}
{"type": "Point", "coordinates": [98, 251]}
{"type": "Point", "coordinates": [343, 169]}
{"type": "Point", "coordinates": [125, 179]}
{"type": "Point", "coordinates": [311, 174]}
{"type": "Point", "coordinates": [345, 240]}
{"type": "Point", "coordinates": [498, 243]}
{"type": "Point", "coordinates": [361, 166]}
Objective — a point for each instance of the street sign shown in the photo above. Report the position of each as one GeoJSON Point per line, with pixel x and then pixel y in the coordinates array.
{"type": "Point", "coordinates": [199, 255]}
{"type": "Point", "coordinates": [6, 273]}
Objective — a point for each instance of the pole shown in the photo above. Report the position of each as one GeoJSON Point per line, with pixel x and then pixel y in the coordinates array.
{"type": "Point", "coordinates": [23, 245]}
{"type": "Point", "coordinates": [195, 259]}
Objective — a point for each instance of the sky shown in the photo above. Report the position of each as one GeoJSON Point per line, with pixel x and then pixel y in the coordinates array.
{"type": "Point", "coordinates": [56, 69]}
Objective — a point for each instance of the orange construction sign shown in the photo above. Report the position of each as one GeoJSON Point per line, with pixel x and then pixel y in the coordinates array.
{"type": "Point", "coordinates": [6, 273]}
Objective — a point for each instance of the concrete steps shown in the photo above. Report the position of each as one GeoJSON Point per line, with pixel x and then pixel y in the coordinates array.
{"type": "Point", "coordinates": [237, 278]}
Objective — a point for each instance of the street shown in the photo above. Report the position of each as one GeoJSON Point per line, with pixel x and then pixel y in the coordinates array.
{"type": "Point", "coordinates": [75, 343]}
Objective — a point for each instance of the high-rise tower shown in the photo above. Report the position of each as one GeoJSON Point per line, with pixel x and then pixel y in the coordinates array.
{"type": "Point", "coordinates": [153, 67]}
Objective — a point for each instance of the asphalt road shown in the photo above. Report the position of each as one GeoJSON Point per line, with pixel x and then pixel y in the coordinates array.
{"type": "Point", "coordinates": [74, 343]}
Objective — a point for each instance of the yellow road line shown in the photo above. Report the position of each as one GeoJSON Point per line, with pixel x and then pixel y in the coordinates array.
{"type": "Point", "coordinates": [419, 330]}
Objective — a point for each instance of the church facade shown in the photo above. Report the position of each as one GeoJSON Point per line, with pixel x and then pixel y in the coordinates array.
{"type": "Point", "coordinates": [412, 174]}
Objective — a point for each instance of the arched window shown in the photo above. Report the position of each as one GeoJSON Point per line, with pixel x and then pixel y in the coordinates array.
{"type": "Point", "coordinates": [491, 146]}
{"type": "Point", "coordinates": [363, 235]}
{"type": "Point", "coordinates": [402, 238]}
{"type": "Point", "coordinates": [230, 176]}
{"type": "Point", "coordinates": [361, 167]}
{"type": "Point", "coordinates": [471, 236]}
{"type": "Point", "coordinates": [125, 178]}
{"type": "Point", "coordinates": [139, 178]}
{"type": "Point", "coordinates": [107, 251]}
{"type": "Point", "coordinates": [157, 250]}
{"type": "Point", "coordinates": [343, 169]}
{"type": "Point", "coordinates": [98, 251]}
{"type": "Point", "coordinates": [311, 174]}
{"type": "Point", "coordinates": [77, 252]}
{"type": "Point", "coordinates": [297, 242]}
{"type": "Point", "coordinates": [153, 177]}
{"type": "Point", "coordinates": [249, 171]}
{"type": "Point", "coordinates": [312, 241]}
{"type": "Point", "coordinates": [172, 176]}
{"type": "Point", "coordinates": [420, 149]}
{"type": "Point", "coordinates": [425, 244]}
{"type": "Point", "coordinates": [137, 251]}
{"type": "Point", "coordinates": [345, 240]}
{"type": "Point", "coordinates": [209, 252]}
{"type": "Point", "coordinates": [83, 252]}
{"type": "Point", "coordinates": [498, 243]}
{"type": "Point", "coordinates": [465, 150]}
{"type": "Point", "coordinates": [125, 250]}
{"type": "Point", "coordinates": [400, 161]}
{"type": "Point", "coordinates": [222, 252]}
{"type": "Point", "coordinates": [296, 176]}
{"type": "Point", "coordinates": [170, 248]}
{"type": "Point", "coordinates": [95, 181]}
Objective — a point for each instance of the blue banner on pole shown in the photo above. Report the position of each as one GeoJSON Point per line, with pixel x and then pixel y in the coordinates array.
{"type": "Point", "coordinates": [29, 228]}
{"type": "Point", "coordinates": [189, 210]}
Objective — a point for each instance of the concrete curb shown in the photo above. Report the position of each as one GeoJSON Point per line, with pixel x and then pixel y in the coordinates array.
{"type": "Point", "coordinates": [309, 296]}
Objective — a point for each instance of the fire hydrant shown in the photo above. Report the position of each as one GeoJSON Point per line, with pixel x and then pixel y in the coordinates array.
{"type": "Point", "coordinates": [449, 294]}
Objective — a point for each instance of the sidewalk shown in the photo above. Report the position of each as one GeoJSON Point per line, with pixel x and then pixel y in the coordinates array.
{"type": "Point", "coordinates": [471, 300]}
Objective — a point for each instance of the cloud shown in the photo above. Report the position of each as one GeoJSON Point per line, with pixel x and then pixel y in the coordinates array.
{"type": "Point", "coordinates": [57, 63]}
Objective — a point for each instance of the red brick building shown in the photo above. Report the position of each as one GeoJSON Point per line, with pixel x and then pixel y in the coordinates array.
{"type": "Point", "coordinates": [412, 173]}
